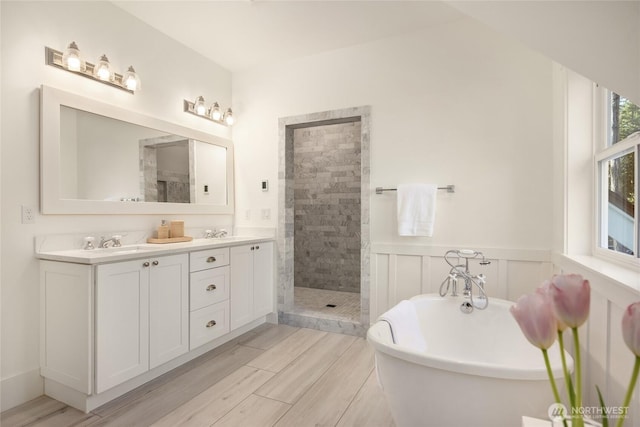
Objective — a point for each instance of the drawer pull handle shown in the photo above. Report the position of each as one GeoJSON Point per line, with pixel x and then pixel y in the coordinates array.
{"type": "Point", "coordinates": [211, 323]}
{"type": "Point", "coordinates": [155, 263]}
{"type": "Point", "coordinates": [211, 259]}
{"type": "Point", "coordinates": [145, 264]}
{"type": "Point", "coordinates": [211, 288]}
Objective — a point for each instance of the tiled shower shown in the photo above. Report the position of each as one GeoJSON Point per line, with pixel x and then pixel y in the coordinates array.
{"type": "Point", "coordinates": [327, 213]}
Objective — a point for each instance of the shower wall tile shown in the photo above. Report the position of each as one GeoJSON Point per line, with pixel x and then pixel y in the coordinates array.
{"type": "Point", "coordinates": [327, 214]}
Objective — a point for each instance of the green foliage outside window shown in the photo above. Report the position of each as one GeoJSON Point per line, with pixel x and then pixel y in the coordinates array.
{"type": "Point", "coordinates": [625, 121]}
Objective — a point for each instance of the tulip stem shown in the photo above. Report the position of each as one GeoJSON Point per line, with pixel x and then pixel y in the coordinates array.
{"type": "Point", "coordinates": [552, 381]}
{"type": "Point", "coordinates": [632, 386]}
{"type": "Point", "coordinates": [567, 376]}
{"type": "Point", "coordinates": [579, 421]}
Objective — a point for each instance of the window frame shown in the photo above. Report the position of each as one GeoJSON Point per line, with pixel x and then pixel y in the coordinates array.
{"type": "Point", "coordinates": [603, 152]}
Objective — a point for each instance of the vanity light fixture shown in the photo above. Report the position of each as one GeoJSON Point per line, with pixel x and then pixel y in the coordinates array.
{"type": "Point", "coordinates": [71, 60]}
{"type": "Point", "coordinates": [228, 117]}
{"type": "Point", "coordinates": [214, 113]}
{"type": "Point", "coordinates": [102, 69]}
{"type": "Point", "coordinates": [131, 80]}
{"type": "Point", "coordinates": [199, 106]}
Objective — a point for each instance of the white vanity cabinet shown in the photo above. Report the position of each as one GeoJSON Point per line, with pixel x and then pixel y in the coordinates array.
{"type": "Point", "coordinates": [113, 320]}
{"type": "Point", "coordinates": [141, 315]}
{"type": "Point", "coordinates": [251, 282]}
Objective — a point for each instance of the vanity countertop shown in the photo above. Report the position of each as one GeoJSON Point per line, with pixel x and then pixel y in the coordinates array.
{"type": "Point", "coordinates": [144, 250]}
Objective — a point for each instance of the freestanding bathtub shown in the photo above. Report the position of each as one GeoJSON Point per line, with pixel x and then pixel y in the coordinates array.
{"type": "Point", "coordinates": [474, 369]}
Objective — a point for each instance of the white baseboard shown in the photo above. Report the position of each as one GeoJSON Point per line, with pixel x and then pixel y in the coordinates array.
{"type": "Point", "coordinates": [20, 388]}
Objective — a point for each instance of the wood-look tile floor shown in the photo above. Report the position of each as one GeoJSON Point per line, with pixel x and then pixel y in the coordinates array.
{"type": "Point", "coordinates": [274, 375]}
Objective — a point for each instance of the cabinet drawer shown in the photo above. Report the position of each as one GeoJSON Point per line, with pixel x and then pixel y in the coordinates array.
{"type": "Point", "coordinates": [209, 287]}
{"type": "Point", "coordinates": [208, 324]}
{"type": "Point", "coordinates": [210, 258]}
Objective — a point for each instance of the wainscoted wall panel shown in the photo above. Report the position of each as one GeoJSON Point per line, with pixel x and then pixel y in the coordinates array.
{"type": "Point", "coordinates": [402, 271]}
{"type": "Point", "coordinates": [408, 277]}
{"type": "Point", "coordinates": [523, 276]}
{"type": "Point", "coordinates": [607, 362]}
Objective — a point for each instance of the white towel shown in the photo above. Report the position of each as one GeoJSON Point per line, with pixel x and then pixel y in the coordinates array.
{"type": "Point", "coordinates": [405, 326]}
{"type": "Point", "coordinates": [416, 209]}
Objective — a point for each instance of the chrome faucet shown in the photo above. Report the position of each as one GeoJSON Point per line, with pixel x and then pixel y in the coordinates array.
{"type": "Point", "coordinates": [461, 271]}
{"type": "Point", "coordinates": [113, 242]}
{"type": "Point", "coordinates": [215, 234]}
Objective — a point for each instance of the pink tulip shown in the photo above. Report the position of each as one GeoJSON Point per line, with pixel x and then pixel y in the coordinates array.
{"type": "Point", "coordinates": [534, 315]}
{"type": "Point", "coordinates": [631, 327]}
{"type": "Point", "coordinates": [545, 289]}
{"type": "Point", "coordinates": [570, 294]}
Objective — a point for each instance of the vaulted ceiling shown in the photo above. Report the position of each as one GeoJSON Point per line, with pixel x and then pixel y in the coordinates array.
{"type": "Point", "coordinates": [244, 34]}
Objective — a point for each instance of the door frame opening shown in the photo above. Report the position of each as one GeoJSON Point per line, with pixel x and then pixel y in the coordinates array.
{"type": "Point", "coordinates": [285, 234]}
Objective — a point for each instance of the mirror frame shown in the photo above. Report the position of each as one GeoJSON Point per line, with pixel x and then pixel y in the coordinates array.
{"type": "Point", "coordinates": [50, 201]}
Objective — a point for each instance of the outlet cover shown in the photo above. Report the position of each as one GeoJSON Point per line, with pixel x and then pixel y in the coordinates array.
{"type": "Point", "coordinates": [28, 215]}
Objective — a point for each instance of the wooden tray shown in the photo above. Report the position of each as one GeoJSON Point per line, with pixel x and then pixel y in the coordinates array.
{"type": "Point", "coordinates": [170, 240]}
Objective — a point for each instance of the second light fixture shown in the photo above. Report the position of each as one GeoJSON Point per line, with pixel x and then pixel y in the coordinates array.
{"type": "Point", "coordinates": [213, 113]}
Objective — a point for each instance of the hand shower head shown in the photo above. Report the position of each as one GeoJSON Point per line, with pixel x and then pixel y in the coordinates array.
{"type": "Point", "coordinates": [466, 253]}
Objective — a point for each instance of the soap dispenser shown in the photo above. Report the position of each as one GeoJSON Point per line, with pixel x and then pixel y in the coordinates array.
{"type": "Point", "coordinates": [163, 230]}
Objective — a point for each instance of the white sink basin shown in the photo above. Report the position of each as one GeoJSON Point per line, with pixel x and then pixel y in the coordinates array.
{"type": "Point", "coordinates": [123, 249]}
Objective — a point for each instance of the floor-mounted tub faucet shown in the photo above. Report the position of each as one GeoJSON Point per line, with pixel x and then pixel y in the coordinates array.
{"type": "Point", "coordinates": [460, 271]}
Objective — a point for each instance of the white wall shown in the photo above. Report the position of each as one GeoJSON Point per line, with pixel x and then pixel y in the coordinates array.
{"type": "Point", "coordinates": [170, 72]}
{"type": "Point", "coordinates": [598, 39]}
{"type": "Point", "coordinates": [457, 104]}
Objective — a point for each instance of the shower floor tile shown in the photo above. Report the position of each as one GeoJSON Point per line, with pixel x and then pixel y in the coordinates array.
{"type": "Point", "coordinates": [313, 302]}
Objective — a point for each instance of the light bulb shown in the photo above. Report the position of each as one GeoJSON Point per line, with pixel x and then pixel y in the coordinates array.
{"type": "Point", "coordinates": [130, 80]}
{"type": "Point", "coordinates": [228, 117]}
{"type": "Point", "coordinates": [71, 58]}
{"type": "Point", "coordinates": [73, 63]}
{"type": "Point", "coordinates": [198, 106]}
{"type": "Point", "coordinates": [102, 69]}
{"type": "Point", "coordinates": [215, 112]}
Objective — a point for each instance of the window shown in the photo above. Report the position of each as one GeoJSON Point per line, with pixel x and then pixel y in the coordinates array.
{"type": "Point", "coordinates": [617, 164]}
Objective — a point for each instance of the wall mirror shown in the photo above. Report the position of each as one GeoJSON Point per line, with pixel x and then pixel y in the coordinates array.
{"type": "Point", "coordinates": [101, 159]}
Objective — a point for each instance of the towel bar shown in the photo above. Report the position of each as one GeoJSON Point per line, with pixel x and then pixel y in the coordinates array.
{"type": "Point", "coordinates": [450, 189]}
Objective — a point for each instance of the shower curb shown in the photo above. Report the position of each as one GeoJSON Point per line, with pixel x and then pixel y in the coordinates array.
{"type": "Point", "coordinates": [328, 325]}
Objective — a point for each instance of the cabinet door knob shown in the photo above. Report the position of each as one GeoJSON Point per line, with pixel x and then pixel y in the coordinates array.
{"type": "Point", "coordinates": [211, 288]}
{"type": "Point", "coordinates": [155, 263]}
{"type": "Point", "coordinates": [211, 259]}
{"type": "Point", "coordinates": [211, 323]}
{"type": "Point", "coordinates": [253, 248]}
{"type": "Point", "coordinates": [257, 247]}
{"type": "Point", "coordinates": [145, 264]}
